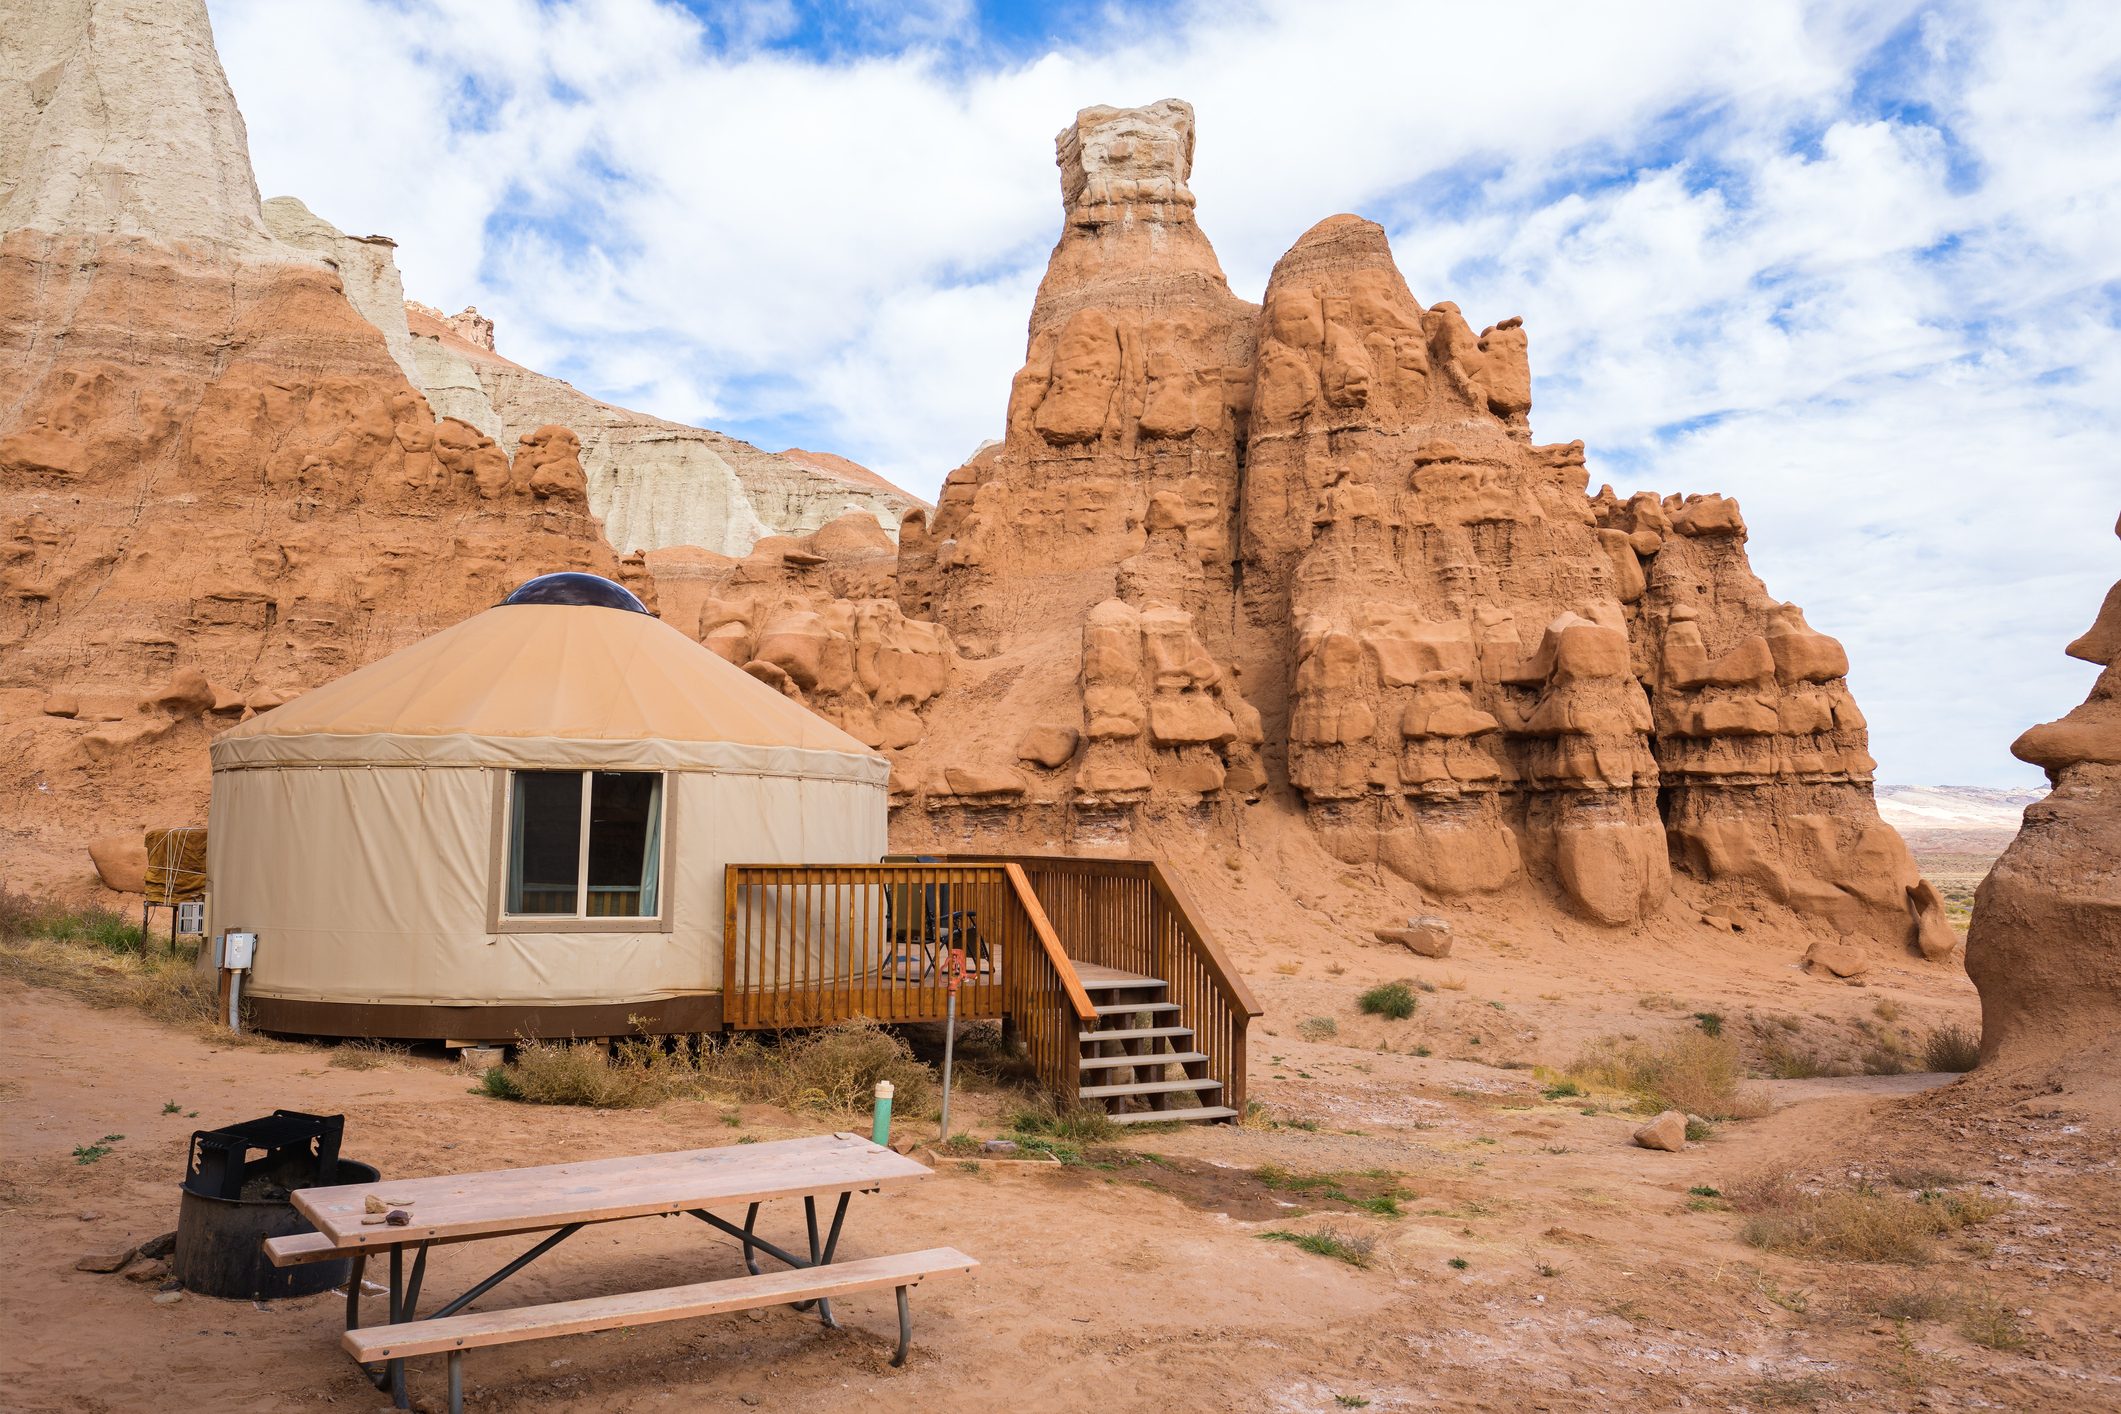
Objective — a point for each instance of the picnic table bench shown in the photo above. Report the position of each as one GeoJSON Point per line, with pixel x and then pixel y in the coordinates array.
{"type": "Point", "coordinates": [559, 1200]}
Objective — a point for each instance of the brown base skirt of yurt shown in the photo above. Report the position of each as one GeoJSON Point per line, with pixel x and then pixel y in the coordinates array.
{"type": "Point", "coordinates": [420, 1022]}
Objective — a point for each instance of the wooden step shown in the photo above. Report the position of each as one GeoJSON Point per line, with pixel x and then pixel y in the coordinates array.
{"type": "Point", "coordinates": [1202, 1113]}
{"type": "Point", "coordinates": [1127, 982]}
{"type": "Point", "coordinates": [1154, 1058]}
{"type": "Point", "coordinates": [1140, 1033]}
{"type": "Point", "coordinates": [638, 1308]}
{"type": "Point", "coordinates": [1129, 1008]}
{"type": "Point", "coordinates": [1145, 1087]}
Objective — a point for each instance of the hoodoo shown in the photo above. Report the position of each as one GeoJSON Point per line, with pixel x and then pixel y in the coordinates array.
{"type": "Point", "coordinates": [2045, 948]}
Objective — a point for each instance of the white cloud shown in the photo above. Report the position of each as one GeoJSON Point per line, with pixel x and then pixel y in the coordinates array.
{"type": "Point", "coordinates": [1853, 264]}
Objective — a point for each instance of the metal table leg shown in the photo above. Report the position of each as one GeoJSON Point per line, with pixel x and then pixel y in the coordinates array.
{"type": "Point", "coordinates": [751, 1263]}
{"type": "Point", "coordinates": [394, 1370]}
{"type": "Point", "coordinates": [456, 1382]}
{"type": "Point", "coordinates": [905, 1329]}
{"type": "Point", "coordinates": [832, 1242]}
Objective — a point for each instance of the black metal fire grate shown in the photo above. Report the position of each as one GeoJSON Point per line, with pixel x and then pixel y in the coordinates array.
{"type": "Point", "coordinates": [220, 1165]}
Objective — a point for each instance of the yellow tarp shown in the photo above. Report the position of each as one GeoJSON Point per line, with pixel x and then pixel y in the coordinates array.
{"type": "Point", "coordinates": [176, 864]}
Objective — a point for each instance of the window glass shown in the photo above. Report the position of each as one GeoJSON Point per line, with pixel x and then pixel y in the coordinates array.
{"type": "Point", "coordinates": [625, 843]}
{"type": "Point", "coordinates": [545, 843]}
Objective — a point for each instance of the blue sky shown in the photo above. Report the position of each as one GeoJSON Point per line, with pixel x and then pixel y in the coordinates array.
{"type": "Point", "coordinates": [1854, 264]}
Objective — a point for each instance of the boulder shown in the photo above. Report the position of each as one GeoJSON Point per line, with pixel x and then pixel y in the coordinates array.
{"type": "Point", "coordinates": [62, 704]}
{"type": "Point", "coordinates": [121, 862]}
{"type": "Point", "coordinates": [186, 694]}
{"type": "Point", "coordinates": [985, 780]}
{"type": "Point", "coordinates": [1424, 937]}
{"type": "Point", "coordinates": [1666, 1132]}
{"type": "Point", "coordinates": [1843, 957]}
{"type": "Point", "coordinates": [1050, 747]}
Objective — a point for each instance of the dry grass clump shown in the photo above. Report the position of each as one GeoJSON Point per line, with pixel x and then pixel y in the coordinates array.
{"type": "Point", "coordinates": [1860, 1224]}
{"type": "Point", "coordinates": [1687, 1070]}
{"type": "Point", "coordinates": [1953, 1048]}
{"type": "Point", "coordinates": [833, 1071]}
{"type": "Point", "coordinates": [1077, 1124]}
{"type": "Point", "coordinates": [1357, 1249]}
{"type": "Point", "coordinates": [365, 1054]}
{"type": "Point", "coordinates": [23, 918]}
{"type": "Point", "coordinates": [589, 1073]}
{"type": "Point", "coordinates": [96, 956]}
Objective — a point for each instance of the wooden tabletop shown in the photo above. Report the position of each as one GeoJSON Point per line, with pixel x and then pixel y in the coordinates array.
{"type": "Point", "coordinates": [456, 1206]}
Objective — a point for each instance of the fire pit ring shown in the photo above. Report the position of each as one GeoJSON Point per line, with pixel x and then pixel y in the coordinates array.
{"type": "Point", "coordinates": [232, 1203]}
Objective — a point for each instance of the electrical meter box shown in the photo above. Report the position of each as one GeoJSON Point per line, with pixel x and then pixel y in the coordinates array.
{"type": "Point", "coordinates": [237, 949]}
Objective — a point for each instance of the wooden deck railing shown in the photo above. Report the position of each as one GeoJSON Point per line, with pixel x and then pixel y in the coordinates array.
{"type": "Point", "coordinates": [1129, 914]}
{"type": "Point", "coordinates": [809, 945]}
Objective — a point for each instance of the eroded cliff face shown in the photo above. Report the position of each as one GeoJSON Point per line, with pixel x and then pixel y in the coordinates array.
{"type": "Point", "coordinates": [2045, 948]}
{"type": "Point", "coordinates": [220, 487]}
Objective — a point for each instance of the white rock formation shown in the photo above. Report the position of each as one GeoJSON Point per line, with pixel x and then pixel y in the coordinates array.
{"type": "Point", "coordinates": [116, 118]}
{"type": "Point", "coordinates": [653, 483]}
{"type": "Point", "coordinates": [367, 270]}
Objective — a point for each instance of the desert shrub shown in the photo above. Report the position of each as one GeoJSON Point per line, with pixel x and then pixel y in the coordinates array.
{"type": "Point", "coordinates": [1710, 1022]}
{"type": "Point", "coordinates": [589, 1073]}
{"type": "Point", "coordinates": [834, 1070]}
{"type": "Point", "coordinates": [1354, 1248]}
{"type": "Point", "coordinates": [1319, 1028]}
{"type": "Point", "coordinates": [1391, 1000]}
{"type": "Point", "coordinates": [1859, 1224]}
{"type": "Point", "coordinates": [1688, 1070]}
{"type": "Point", "coordinates": [1953, 1048]}
{"type": "Point", "coordinates": [1986, 1321]}
{"type": "Point", "coordinates": [1909, 1301]}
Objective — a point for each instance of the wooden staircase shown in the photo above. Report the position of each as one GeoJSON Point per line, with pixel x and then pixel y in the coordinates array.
{"type": "Point", "coordinates": [1139, 1064]}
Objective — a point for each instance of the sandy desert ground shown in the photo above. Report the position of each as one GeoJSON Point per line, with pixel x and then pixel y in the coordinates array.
{"type": "Point", "coordinates": [1541, 1260]}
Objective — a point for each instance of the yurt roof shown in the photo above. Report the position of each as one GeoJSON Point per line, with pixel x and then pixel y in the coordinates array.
{"type": "Point", "coordinates": [523, 683]}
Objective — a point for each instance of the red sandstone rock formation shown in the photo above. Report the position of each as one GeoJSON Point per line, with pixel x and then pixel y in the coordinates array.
{"type": "Point", "coordinates": [1307, 555]}
{"type": "Point", "coordinates": [2045, 949]}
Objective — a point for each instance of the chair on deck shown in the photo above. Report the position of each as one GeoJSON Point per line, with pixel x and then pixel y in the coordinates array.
{"type": "Point", "coordinates": [923, 933]}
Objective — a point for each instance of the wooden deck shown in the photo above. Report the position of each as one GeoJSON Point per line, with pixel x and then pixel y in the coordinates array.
{"type": "Point", "coordinates": [1068, 953]}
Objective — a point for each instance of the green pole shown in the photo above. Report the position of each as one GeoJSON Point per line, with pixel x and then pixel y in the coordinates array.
{"type": "Point", "coordinates": [880, 1128]}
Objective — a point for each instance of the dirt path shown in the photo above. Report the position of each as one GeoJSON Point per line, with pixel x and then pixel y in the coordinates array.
{"type": "Point", "coordinates": [1588, 1281]}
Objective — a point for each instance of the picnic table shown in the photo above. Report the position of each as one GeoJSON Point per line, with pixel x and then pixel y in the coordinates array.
{"type": "Point", "coordinates": [559, 1200]}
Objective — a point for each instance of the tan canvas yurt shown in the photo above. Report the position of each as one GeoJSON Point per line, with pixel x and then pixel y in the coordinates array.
{"type": "Point", "coordinates": [518, 826]}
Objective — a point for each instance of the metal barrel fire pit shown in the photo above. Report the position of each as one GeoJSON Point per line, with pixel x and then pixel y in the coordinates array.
{"type": "Point", "coordinates": [232, 1202]}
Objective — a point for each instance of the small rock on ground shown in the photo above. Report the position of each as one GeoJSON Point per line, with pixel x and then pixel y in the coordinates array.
{"type": "Point", "coordinates": [106, 1259]}
{"type": "Point", "coordinates": [1666, 1132]}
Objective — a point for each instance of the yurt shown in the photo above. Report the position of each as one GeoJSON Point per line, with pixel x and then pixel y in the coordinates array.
{"type": "Point", "coordinates": [518, 826]}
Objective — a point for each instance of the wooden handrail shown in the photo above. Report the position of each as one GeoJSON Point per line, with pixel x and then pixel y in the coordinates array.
{"type": "Point", "coordinates": [1226, 974]}
{"type": "Point", "coordinates": [1049, 941]}
{"type": "Point", "coordinates": [1128, 914]}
